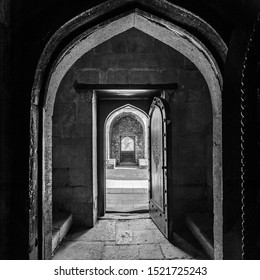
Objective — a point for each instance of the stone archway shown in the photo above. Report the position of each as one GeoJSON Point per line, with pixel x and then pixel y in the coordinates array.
{"type": "Point", "coordinates": [126, 109]}
{"type": "Point", "coordinates": [169, 34]}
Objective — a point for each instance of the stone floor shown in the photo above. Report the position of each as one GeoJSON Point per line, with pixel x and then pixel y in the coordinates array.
{"type": "Point", "coordinates": [127, 196]}
{"type": "Point", "coordinates": [126, 173]}
{"type": "Point", "coordinates": [119, 237]}
{"type": "Point", "coordinates": [127, 189]}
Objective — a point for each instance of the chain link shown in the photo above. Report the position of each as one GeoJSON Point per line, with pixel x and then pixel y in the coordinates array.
{"type": "Point", "coordinates": [243, 123]}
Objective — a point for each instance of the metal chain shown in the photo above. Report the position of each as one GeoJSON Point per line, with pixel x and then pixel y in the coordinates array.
{"type": "Point", "coordinates": [243, 123]}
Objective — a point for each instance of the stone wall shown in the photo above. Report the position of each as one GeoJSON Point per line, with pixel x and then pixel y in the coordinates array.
{"type": "Point", "coordinates": [191, 145]}
{"type": "Point", "coordinates": [126, 125]}
{"type": "Point", "coordinates": [132, 58]}
{"type": "Point", "coordinates": [5, 139]}
{"type": "Point", "coordinates": [72, 155]}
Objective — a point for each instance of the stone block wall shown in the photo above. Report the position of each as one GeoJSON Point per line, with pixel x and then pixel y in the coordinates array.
{"type": "Point", "coordinates": [6, 147]}
{"type": "Point", "coordinates": [191, 144]}
{"type": "Point", "coordinates": [133, 58]}
{"type": "Point", "coordinates": [72, 154]}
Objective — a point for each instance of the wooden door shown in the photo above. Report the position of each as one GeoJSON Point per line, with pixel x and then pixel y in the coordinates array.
{"type": "Point", "coordinates": [159, 134]}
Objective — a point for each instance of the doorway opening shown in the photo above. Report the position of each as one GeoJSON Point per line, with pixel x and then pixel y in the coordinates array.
{"type": "Point", "coordinates": [126, 169]}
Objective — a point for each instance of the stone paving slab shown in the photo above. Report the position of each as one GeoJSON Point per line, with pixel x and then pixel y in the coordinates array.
{"type": "Point", "coordinates": [147, 236]}
{"type": "Point", "coordinates": [126, 202]}
{"type": "Point", "coordinates": [125, 216]}
{"type": "Point", "coordinates": [127, 184]}
{"type": "Point", "coordinates": [143, 237]}
{"type": "Point", "coordinates": [120, 252]}
{"type": "Point", "coordinates": [78, 250]}
{"type": "Point", "coordinates": [150, 252]}
{"type": "Point", "coordinates": [122, 208]}
{"type": "Point", "coordinates": [124, 237]}
{"type": "Point", "coordinates": [127, 174]}
{"type": "Point", "coordinates": [171, 252]}
{"type": "Point", "coordinates": [103, 231]}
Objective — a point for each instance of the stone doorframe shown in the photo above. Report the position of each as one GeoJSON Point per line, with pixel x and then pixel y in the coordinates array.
{"type": "Point", "coordinates": [51, 69]}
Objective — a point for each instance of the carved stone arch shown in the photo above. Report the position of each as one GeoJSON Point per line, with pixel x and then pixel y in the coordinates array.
{"type": "Point", "coordinates": [49, 75]}
{"type": "Point", "coordinates": [128, 109]}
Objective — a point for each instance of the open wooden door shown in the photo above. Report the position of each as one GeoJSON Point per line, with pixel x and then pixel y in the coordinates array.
{"type": "Point", "coordinates": [159, 133]}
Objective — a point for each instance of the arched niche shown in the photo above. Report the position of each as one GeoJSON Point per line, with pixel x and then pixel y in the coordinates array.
{"type": "Point", "coordinates": [141, 116]}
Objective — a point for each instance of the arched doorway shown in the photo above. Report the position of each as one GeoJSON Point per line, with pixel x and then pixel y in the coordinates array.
{"type": "Point", "coordinates": [126, 153]}
{"type": "Point", "coordinates": [167, 33]}
{"type": "Point", "coordinates": [137, 116]}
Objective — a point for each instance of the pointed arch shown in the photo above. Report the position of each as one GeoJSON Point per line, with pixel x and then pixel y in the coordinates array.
{"type": "Point", "coordinates": [126, 109]}
{"type": "Point", "coordinates": [45, 89]}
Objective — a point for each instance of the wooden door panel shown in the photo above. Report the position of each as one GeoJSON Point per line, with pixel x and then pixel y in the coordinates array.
{"type": "Point", "coordinates": [158, 208]}
{"type": "Point", "coordinates": [157, 158]}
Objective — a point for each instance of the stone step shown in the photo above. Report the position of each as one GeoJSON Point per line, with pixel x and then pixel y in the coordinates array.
{"type": "Point", "coordinates": [201, 225]}
{"type": "Point", "coordinates": [127, 190]}
{"type": "Point", "coordinates": [61, 224]}
{"type": "Point", "coordinates": [124, 216]}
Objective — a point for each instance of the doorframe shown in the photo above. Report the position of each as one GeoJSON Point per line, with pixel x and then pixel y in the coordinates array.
{"type": "Point", "coordinates": [52, 68]}
{"type": "Point", "coordinates": [107, 125]}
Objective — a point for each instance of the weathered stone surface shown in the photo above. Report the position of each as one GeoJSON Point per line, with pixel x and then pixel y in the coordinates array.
{"type": "Point", "coordinates": [150, 252]}
{"type": "Point", "coordinates": [66, 87]}
{"type": "Point", "coordinates": [121, 239]}
{"type": "Point", "coordinates": [139, 42]}
{"type": "Point", "coordinates": [120, 252]}
{"type": "Point", "coordinates": [140, 77]}
{"type": "Point", "coordinates": [171, 252]}
{"type": "Point", "coordinates": [88, 76]}
{"type": "Point", "coordinates": [80, 251]}
{"type": "Point", "coordinates": [104, 61]}
{"type": "Point", "coordinates": [4, 11]}
{"type": "Point", "coordinates": [188, 65]}
{"type": "Point", "coordinates": [61, 157]}
{"type": "Point", "coordinates": [103, 231]}
{"type": "Point", "coordinates": [124, 237]}
{"type": "Point", "coordinates": [192, 80]}
{"type": "Point", "coordinates": [84, 114]}
{"type": "Point", "coordinates": [143, 236]}
{"type": "Point", "coordinates": [60, 176]}
{"type": "Point", "coordinates": [118, 77]}
{"type": "Point", "coordinates": [103, 48]}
